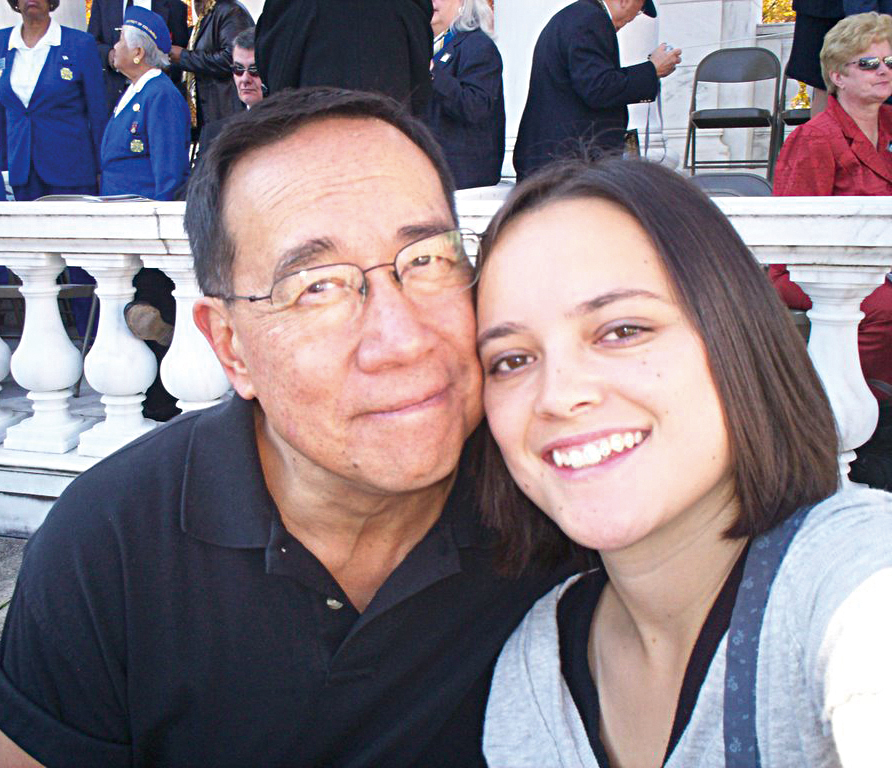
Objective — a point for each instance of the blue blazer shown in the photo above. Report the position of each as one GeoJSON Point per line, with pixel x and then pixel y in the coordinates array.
{"type": "Point", "coordinates": [467, 111]}
{"type": "Point", "coordinates": [145, 149]}
{"type": "Point", "coordinates": [578, 91]}
{"type": "Point", "coordinates": [60, 132]}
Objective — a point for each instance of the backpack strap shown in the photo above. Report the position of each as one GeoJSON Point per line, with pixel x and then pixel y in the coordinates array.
{"type": "Point", "coordinates": [762, 563]}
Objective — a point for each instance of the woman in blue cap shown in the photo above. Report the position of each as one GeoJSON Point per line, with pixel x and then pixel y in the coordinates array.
{"type": "Point", "coordinates": [51, 105]}
{"type": "Point", "coordinates": [145, 149]}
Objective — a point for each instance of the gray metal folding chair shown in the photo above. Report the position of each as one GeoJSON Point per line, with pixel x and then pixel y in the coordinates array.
{"type": "Point", "coordinates": [734, 65]}
{"type": "Point", "coordinates": [733, 184]}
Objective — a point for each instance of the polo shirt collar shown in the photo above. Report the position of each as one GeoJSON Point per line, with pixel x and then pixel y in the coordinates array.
{"type": "Point", "coordinates": [226, 502]}
{"type": "Point", "coordinates": [225, 499]}
{"type": "Point", "coordinates": [53, 36]}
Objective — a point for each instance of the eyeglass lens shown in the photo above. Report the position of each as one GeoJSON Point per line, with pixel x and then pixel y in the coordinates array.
{"type": "Point", "coordinates": [873, 62]}
{"type": "Point", "coordinates": [333, 293]}
{"type": "Point", "coordinates": [238, 69]}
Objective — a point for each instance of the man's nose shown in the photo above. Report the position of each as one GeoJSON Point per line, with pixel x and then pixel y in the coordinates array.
{"type": "Point", "coordinates": [393, 329]}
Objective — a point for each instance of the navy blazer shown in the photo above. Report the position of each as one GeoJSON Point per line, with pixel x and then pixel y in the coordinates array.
{"type": "Point", "coordinates": [106, 18]}
{"type": "Point", "coordinates": [578, 91]}
{"type": "Point", "coordinates": [145, 149]}
{"type": "Point", "coordinates": [60, 132]}
{"type": "Point", "coordinates": [467, 111]}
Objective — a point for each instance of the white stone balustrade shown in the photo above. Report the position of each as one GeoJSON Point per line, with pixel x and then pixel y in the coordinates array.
{"type": "Point", "coordinates": [838, 250]}
{"type": "Point", "coordinates": [46, 363]}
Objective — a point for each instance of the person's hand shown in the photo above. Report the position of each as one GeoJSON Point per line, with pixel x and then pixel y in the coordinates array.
{"type": "Point", "coordinates": [665, 60]}
{"type": "Point", "coordinates": [175, 51]}
{"type": "Point", "coordinates": [111, 57]}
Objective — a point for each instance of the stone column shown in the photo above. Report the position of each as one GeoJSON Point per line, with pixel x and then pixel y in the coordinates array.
{"type": "Point", "coordinates": [46, 362]}
{"type": "Point", "coordinates": [119, 365]}
{"type": "Point", "coordinates": [836, 295]}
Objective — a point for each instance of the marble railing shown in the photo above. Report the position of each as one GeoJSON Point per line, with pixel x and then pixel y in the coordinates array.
{"type": "Point", "coordinates": [838, 249]}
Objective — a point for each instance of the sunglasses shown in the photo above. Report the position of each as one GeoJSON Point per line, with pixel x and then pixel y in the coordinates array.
{"type": "Point", "coordinates": [239, 69]}
{"type": "Point", "coordinates": [871, 63]}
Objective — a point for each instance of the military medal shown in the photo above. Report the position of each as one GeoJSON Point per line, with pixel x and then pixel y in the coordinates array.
{"type": "Point", "coordinates": [66, 73]}
{"type": "Point", "coordinates": [137, 146]}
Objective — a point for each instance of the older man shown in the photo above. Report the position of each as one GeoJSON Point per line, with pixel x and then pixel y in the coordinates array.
{"type": "Point", "coordinates": [579, 94]}
{"type": "Point", "coordinates": [297, 577]}
{"type": "Point", "coordinates": [244, 69]}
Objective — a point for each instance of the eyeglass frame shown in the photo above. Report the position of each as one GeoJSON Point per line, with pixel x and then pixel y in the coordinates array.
{"type": "Point", "coordinates": [462, 233]}
{"type": "Point", "coordinates": [887, 60]}
{"type": "Point", "coordinates": [239, 69]}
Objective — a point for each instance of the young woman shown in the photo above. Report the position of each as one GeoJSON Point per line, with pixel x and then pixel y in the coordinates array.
{"type": "Point", "coordinates": [649, 393]}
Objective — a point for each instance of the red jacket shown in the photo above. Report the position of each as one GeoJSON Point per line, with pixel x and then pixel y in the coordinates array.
{"type": "Point", "coordinates": [831, 156]}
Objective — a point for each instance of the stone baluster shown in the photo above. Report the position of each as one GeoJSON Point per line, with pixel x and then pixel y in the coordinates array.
{"type": "Point", "coordinates": [7, 416]}
{"type": "Point", "coordinates": [45, 363]}
{"type": "Point", "coordinates": [119, 366]}
{"type": "Point", "coordinates": [190, 370]}
{"type": "Point", "coordinates": [836, 294]}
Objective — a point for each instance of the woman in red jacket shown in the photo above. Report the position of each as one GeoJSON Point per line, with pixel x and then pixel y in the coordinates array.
{"type": "Point", "coordinates": [847, 150]}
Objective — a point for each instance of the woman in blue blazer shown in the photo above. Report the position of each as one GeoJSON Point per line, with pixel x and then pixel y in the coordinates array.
{"type": "Point", "coordinates": [467, 111]}
{"type": "Point", "coordinates": [52, 105]}
{"type": "Point", "coordinates": [145, 149]}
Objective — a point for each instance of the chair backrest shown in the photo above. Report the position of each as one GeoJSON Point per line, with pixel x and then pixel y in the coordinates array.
{"type": "Point", "coordinates": [737, 65]}
{"type": "Point", "coordinates": [732, 184]}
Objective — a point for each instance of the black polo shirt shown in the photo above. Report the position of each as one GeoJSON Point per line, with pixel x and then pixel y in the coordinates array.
{"type": "Point", "coordinates": [164, 616]}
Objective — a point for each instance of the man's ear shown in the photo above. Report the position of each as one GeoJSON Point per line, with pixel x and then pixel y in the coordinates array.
{"type": "Point", "coordinates": [215, 321]}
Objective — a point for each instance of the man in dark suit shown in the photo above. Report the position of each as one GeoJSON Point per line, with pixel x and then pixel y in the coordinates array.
{"type": "Point", "coordinates": [365, 45]}
{"type": "Point", "coordinates": [106, 19]}
{"type": "Point", "coordinates": [578, 91]}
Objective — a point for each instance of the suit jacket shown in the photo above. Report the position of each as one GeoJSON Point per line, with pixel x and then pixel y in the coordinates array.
{"type": "Point", "coordinates": [60, 132]}
{"type": "Point", "coordinates": [145, 149]}
{"type": "Point", "coordinates": [367, 45]}
{"type": "Point", "coordinates": [106, 18]}
{"type": "Point", "coordinates": [211, 59]}
{"type": "Point", "coordinates": [467, 111]}
{"type": "Point", "coordinates": [578, 91]}
{"type": "Point", "coordinates": [822, 9]}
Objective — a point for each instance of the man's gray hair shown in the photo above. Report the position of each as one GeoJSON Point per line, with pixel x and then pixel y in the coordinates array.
{"type": "Point", "coordinates": [136, 38]}
{"type": "Point", "coordinates": [475, 14]}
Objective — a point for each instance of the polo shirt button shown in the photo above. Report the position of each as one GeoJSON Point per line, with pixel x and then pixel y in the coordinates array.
{"type": "Point", "coordinates": [335, 605]}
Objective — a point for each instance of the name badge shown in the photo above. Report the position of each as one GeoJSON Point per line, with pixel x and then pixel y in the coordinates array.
{"type": "Point", "coordinates": [137, 146]}
{"type": "Point", "coordinates": [66, 73]}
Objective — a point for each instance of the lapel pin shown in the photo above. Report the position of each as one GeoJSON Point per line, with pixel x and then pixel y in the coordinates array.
{"type": "Point", "coordinates": [136, 107]}
{"type": "Point", "coordinates": [133, 127]}
{"type": "Point", "coordinates": [66, 73]}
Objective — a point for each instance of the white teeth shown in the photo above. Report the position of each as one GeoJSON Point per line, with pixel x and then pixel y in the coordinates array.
{"type": "Point", "coordinates": [595, 452]}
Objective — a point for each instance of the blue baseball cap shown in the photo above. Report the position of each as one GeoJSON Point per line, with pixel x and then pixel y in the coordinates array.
{"type": "Point", "coordinates": [153, 25]}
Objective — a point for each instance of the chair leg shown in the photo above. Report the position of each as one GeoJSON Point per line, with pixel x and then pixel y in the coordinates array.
{"type": "Point", "coordinates": [693, 150]}
{"type": "Point", "coordinates": [85, 344]}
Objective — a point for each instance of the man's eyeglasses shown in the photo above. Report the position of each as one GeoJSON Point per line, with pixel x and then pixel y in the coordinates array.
{"type": "Point", "coordinates": [871, 63]}
{"type": "Point", "coordinates": [331, 295]}
{"type": "Point", "coordinates": [240, 69]}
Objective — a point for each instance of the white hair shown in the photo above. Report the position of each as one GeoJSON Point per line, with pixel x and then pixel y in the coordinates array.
{"type": "Point", "coordinates": [475, 14]}
{"type": "Point", "coordinates": [136, 38]}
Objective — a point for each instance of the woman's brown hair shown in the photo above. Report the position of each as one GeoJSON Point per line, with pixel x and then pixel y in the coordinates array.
{"type": "Point", "coordinates": [780, 426]}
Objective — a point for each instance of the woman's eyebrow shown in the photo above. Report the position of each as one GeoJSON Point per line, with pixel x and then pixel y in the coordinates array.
{"type": "Point", "coordinates": [592, 305]}
{"type": "Point", "coordinates": [498, 332]}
